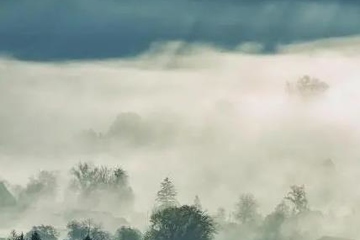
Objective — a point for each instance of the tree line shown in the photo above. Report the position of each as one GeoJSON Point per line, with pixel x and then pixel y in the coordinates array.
{"type": "Point", "coordinates": [171, 220]}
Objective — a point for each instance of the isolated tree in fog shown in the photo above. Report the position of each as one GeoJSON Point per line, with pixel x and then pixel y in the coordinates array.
{"type": "Point", "coordinates": [93, 182]}
{"type": "Point", "coordinates": [180, 223]}
{"type": "Point", "coordinates": [88, 178]}
{"type": "Point", "coordinates": [297, 197]}
{"type": "Point", "coordinates": [197, 202]}
{"type": "Point", "coordinates": [45, 232]}
{"type": "Point", "coordinates": [246, 209]}
{"type": "Point", "coordinates": [166, 196]}
{"type": "Point", "coordinates": [307, 86]}
{"type": "Point", "coordinates": [128, 233]}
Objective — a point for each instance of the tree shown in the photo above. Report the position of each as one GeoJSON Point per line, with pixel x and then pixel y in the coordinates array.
{"type": "Point", "coordinates": [44, 232]}
{"type": "Point", "coordinates": [80, 230]}
{"type": "Point", "coordinates": [307, 86]}
{"type": "Point", "coordinates": [130, 128]}
{"type": "Point", "coordinates": [246, 212]}
{"type": "Point", "coordinates": [35, 236]}
{"type": "Point", "coordinates": [180, 223]}
{"type": "Point", "coordinates": [92, 182]}
{"type": "Point", "coordinates": [220, 216]}
{"type": "Point", "coordinates": [274, 221]}
{"type": "Point", "coordinates": [15, 236]}
{"type": "Point", "coordinates": [197, 202]}
{"type": "Point", "coordinates": [166, 196]}
{"type": "Point", "coordinates": [297, 197]}
{"type": "Point", "coordinates": [43, 184]}
{"type": "Point", "coordinates": [128, 233]}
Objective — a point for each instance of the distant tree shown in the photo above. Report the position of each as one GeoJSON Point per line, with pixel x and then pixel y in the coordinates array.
{"type": "Point", "coordinates": [128, 233]}
{"type": "Point", "coordinates": [15, 236]}
{"type": "Point", "coordinates": [246, 211]}
{"type": "Point", "coordinates": [220, 216]}
{"type": "Point", "coordinates": [81, 230]}
{"type": "Point", "coordinates": [180, 223]}
{"type": "Point", "coordinates": [297, 197]}
{"type": "Point", "coordinates": [88, 178]}
{"type": "Point", "coordinates": [35, 236]}
{"type": "Point", "coordinates": [197, 202]}
{"type": "Point", "coordinates": [45, 232]}
{"type": "Point", "coordinates": [128, 127]}
{"type": "Point", "coordinates": [274, 221]}
{"type": "Point", "coordinates": [166, 196]}
{"type": "Point", "coordinates": [92, 182]}
{"type": "Point", "coordinates": [43, 184]}
{"type": "Point", "coordinates": [307, 86]}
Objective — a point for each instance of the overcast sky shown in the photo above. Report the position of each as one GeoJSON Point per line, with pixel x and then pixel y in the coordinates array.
{"type": "Point", "coordinates": [93, 29]}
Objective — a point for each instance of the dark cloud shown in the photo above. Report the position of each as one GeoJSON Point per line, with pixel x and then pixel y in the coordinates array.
{"type": "Point", "coordinates": [94, 29]}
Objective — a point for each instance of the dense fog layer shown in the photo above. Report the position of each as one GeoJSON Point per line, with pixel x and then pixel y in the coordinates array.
{"type": "Point", "coordinates": [219, 124]}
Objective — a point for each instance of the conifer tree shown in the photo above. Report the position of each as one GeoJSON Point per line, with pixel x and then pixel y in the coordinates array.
{"type": "Point", "coordinates": [166, 196]}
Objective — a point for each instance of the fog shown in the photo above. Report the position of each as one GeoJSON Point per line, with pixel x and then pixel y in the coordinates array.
{"type": "Point", "coordinates": [221, 123]}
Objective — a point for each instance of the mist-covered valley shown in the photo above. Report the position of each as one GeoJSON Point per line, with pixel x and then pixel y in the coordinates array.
{"type": "Point", "coordinates": [264, 158]}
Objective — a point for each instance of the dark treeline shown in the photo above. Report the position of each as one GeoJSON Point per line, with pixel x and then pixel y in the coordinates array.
{"type": "Point", "coordinates": [169, 220]}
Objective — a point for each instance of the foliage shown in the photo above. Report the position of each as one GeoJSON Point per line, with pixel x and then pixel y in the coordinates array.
{"type": "Point", "coordinates": [274, 221]}
{"type": "Point", "coordinates": [15, 236]}
{"type": "Point", "coordinates": [44, 184]}
{"type": "Point", "coordinates": [44, 232]}
{"type": "Point", "coordinates": [246, 212]}
{"type": "Point", "coordinates": [297, 197]}
{"type": "Point", "coordinates": [92, 182]}
{"type": "Point", "coordinates": [166, 196]}
{"type": "Point", "coordinates": [35, 236]}
{"type": "Point", "coordinates": [307, 86]}
{"type": "Point", "coordinates": [180, 223]}
{"type": "Point", "coordinates": [128, 233]}
{"type": "Point", "coordinates": [79, 230]}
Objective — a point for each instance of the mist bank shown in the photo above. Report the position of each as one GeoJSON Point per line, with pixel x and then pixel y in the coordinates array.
{"type": "Point", "coordinates": [218, 123]}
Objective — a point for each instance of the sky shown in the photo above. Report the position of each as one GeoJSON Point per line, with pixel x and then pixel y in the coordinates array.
{"type": "Point", "coordinates": [53, 30]}
{"type": "Point", "coordinates": [211, 74]}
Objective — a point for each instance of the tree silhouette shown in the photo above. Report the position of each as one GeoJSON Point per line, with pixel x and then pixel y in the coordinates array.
{"type": "Point", "coordinates": [246, 211]}
{"type": "Point", "coordinates": [35, 236]}
{"type": "Point", "coordinates": [297, 197]}
{"type": "Point", "coordinates": [45, 232]}
{"type": "Point", "coordinates": [127, 233]}
{"type": "Point", "coordinates": [166, 196]}
{"type": "Point", "coordinates": [180, 223]}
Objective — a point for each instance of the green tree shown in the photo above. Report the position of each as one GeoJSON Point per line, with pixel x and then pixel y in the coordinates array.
{"type": "Point", "coordinates": [128, 233]}
{"type": "Point", "coordinates": [166, 196]}
{"type": "Point", "coordinates": [247, 209]}
{"type": "Point", "coordinates": [80, 230]}
{"type": "Point", "coordinates": [274, 221]}
{"type": "Point", "coordinates": [35, 236]}
{"type": "Point", "coordinates": [43, 184]}
{"type": "Point", "coordinates": [297, 197]}
{"type": "Point", "coordinates": [181, 223]}
{"type": "Point", "coordinates": [45, 232]}
{"type": "Point", "coordinates": [93, 182]}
